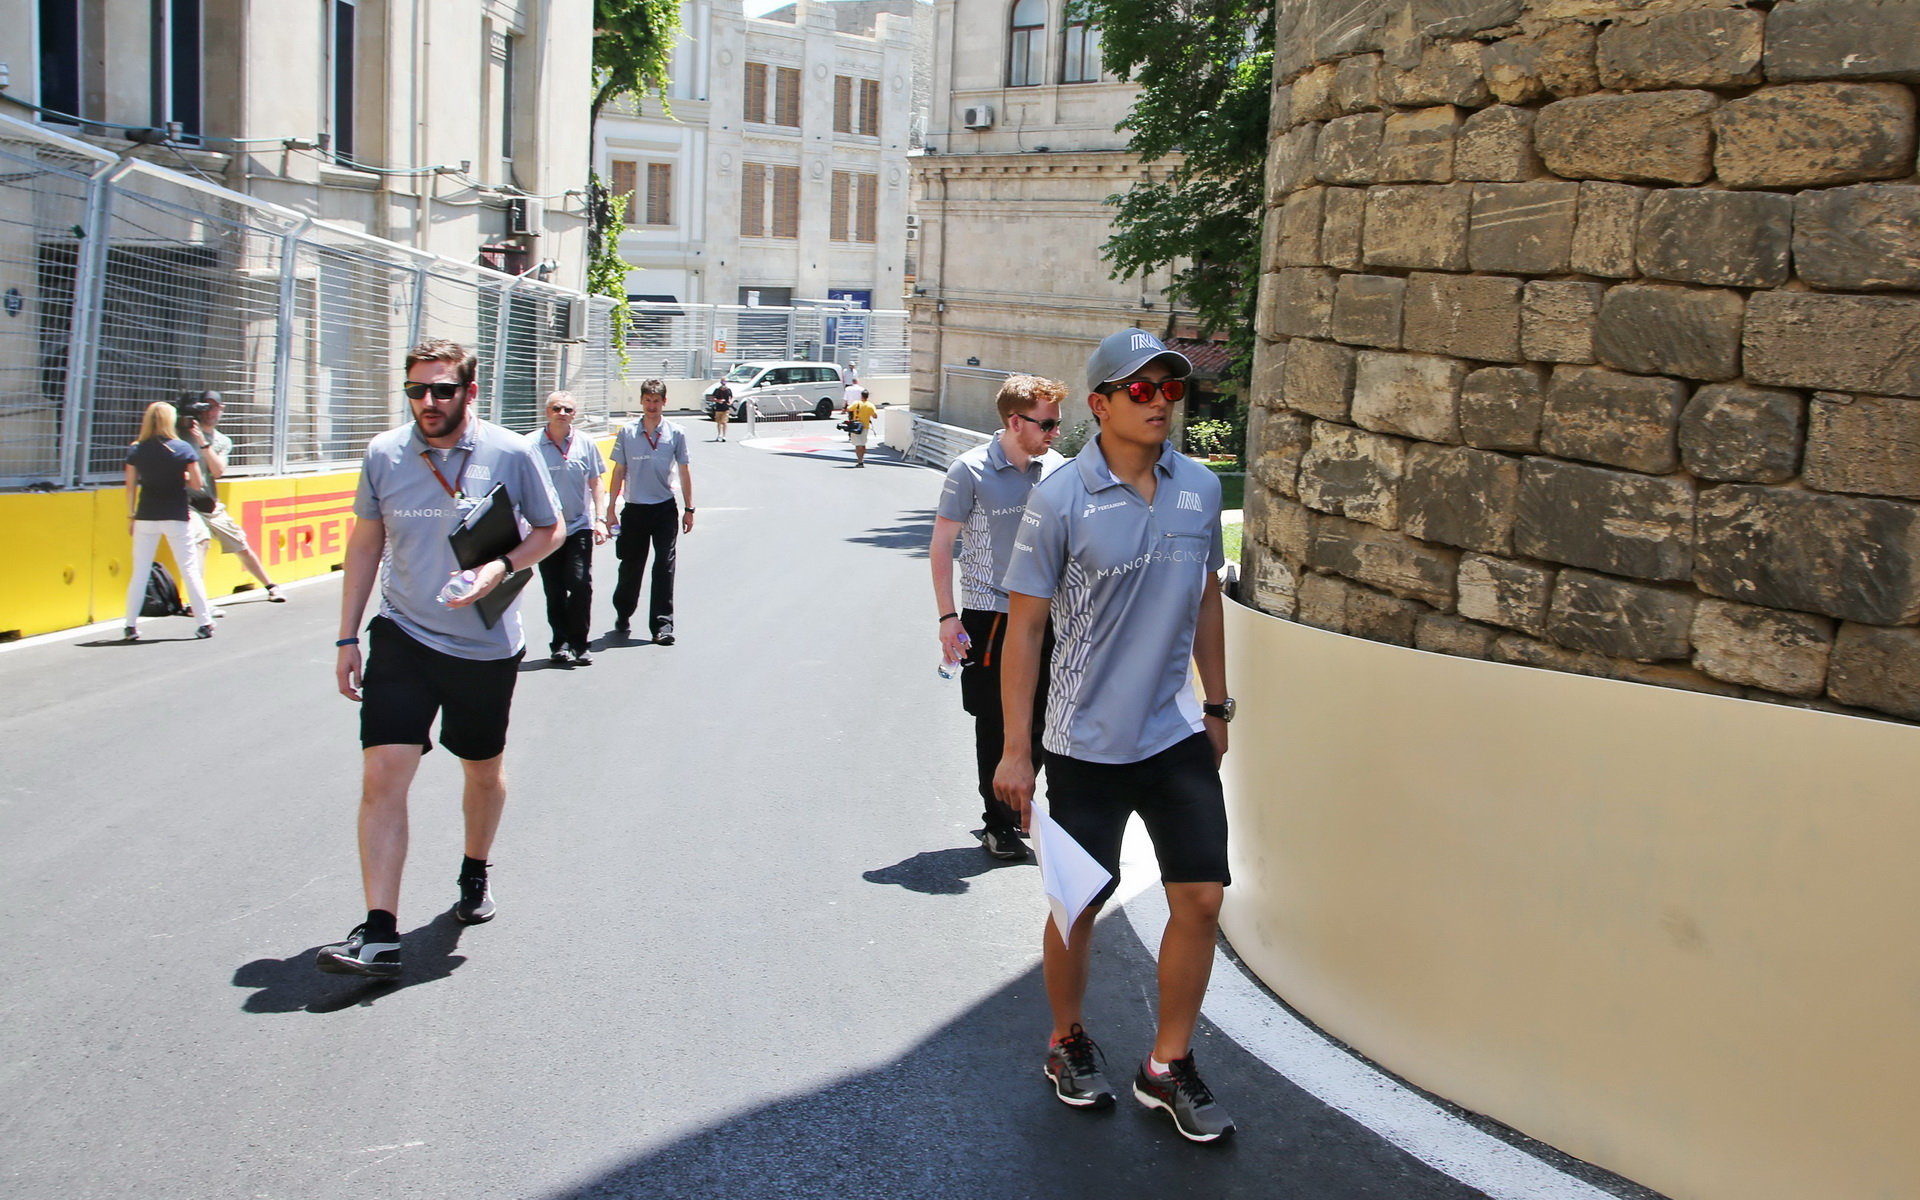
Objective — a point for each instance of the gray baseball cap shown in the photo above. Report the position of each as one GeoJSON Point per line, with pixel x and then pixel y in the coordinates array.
{"type": "Point", "coordinates": [1125, 352]}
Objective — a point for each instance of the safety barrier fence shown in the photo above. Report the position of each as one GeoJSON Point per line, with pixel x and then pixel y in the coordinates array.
{"type": "Point", "coordinates": [705, 341]}
{"type": "Point", "coordinates": [129, 283]}
{"type": "Point", "coordinates": [929, 441]}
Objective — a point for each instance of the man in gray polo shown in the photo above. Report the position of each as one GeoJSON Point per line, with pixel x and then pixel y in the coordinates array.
{"type": "Point", "coordinates": [428, 656]}
{"type": "Point", "coordinates": [645, 454]}
{"type": "Point", "coordinates": [1122, 545]}
{"type": "Point", "coordinates": [574, 465]}
{"type": "Point", "coordinates": [985, 493]}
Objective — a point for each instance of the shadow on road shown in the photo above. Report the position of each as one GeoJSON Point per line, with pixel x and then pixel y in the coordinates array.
{"type": "Point", "coordinates": [912, 534]}
{"type": "Point", "coordinates": [293, 984]}
{"type": "Point", "coordinates": [965, 1114]}
{"type": "Point", "coordinates": [937, 872]}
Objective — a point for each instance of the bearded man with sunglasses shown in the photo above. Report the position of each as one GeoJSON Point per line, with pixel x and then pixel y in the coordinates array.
{"type": "Point", "coordinates": [430, 657]}
{"type": "Point", "coordinates": [1121, 548]}
{"type": "Point", "coordinates": [981, 504]}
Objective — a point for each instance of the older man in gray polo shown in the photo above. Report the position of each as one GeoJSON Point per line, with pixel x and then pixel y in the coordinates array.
{"type": "Point", "coordinates": [1121, 545]}
{"type": "Point", "coordinates": [430, 657]}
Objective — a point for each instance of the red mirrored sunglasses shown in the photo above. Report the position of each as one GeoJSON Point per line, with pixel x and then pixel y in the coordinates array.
{"type": "Point", "coordinates": [1141, 391]}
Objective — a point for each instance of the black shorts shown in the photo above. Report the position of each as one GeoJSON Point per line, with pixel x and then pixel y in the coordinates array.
{"type": "Point", "coordinates": [1177, 794]}
{"type": "Point", "coordinates": [406, 683]}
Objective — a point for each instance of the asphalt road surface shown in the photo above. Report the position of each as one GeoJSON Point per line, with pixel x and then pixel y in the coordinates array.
{"type": "Point", "coordinates": [746, 947]}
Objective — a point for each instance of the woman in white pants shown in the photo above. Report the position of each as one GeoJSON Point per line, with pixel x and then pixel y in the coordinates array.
{"type": "Point", "coordinates": [160, 469]}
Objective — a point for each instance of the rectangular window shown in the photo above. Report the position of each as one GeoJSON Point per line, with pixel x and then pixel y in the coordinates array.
{"type": "Point", "coordinates": [1026, 63]}
{"type": "Point", "coordinates": [176, 65]}
{"type": "Point", "coordinates": [341, 44]}
{"type": "Point", "coordinates": [508, 46]}
{"type": "Point", "coordinates": [786, 97]}
{"type": "Point", "coordinates": [843, 103]}
{"type": "Point", "coordinates": [753, 200]}
{"type": "Point", "coordinates": [786, 202]}
{"type": "Point", "coordinates": [60, 57]}
{"type": "Point", "coordinates": [1081, 63]}
{"type": "Point", "coordinates": [869, 114]}
{"type": "Point", "coordinates": [659, 193]}
{"type": "Point", "coordinates": [625, 181]}
{"type": "Point", "coordinates": [773, 95]}
{"type": "Point", "coordinates": [856, 198]}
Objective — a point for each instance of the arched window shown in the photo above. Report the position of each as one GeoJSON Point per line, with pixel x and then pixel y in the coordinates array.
{"type": "Point", "coordinates": [1026, 60]}
{"type": "Point", "coordinates": [1080, 56]}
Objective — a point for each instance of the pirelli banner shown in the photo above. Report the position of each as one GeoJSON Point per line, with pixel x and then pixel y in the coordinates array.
{"type": "Point", "coordinates": [67, 553]}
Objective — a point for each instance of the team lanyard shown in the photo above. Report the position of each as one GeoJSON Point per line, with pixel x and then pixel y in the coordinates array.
{"type": "Point", "coordinates": [566, 451]}
{"type": "Point", "coordinates": [453, 489]}
{"type": "Point", "coordinates": [653, 439]}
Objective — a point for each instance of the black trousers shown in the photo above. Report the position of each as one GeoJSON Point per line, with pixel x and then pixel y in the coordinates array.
{"type": "Point", "coordinates": [980, 694]}
{"type": "Point", "coordinates": [644, 527]}
{"type": "Point", "coordinates": [567, 575]}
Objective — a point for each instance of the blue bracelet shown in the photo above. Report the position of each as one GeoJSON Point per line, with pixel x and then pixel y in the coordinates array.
{"type": "Point", "coordinates": [348, 642]}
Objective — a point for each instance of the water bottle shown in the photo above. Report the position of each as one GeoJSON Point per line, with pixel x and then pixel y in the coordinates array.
{"type": "Point", "coordinates": [459, 587]}
{"type": "Point", "coordinates": [950, 668]}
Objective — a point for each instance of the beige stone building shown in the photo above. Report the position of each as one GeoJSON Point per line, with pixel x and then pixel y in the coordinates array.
{"type": "Point", "coordinates": [780, 172]}
{"type": "Point", "coordinates": [453, 126]}
{"type": "Point", "coordinates": [1021, 155]}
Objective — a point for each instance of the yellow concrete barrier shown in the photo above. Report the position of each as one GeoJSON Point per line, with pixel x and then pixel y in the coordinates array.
{"type": "Point", "coordinates": [67, 554]}
{"type": "Point", "coordinates": [1667, 932]}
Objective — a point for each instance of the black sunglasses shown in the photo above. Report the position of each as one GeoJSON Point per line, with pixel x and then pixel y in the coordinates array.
{"type": "Point", "coordinates": [1140, 391]}
{"type": "Point", "coordinates": [441, 391]}
{"type": "Point", "coordinates": [1047, 426]}
{"type": "Point", "coordinates": [565, 412]}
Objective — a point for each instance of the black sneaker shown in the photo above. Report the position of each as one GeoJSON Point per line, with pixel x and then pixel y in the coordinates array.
{"type": "Point", "coordinates": [1073, 1067]}
{"type": "Point", "coordinates": [475, 906]}
{"type": "Point", "coordinates": [1186, 1098]}
{"type": "Point", "coordinates": [581, 658]}
{"type": "Point", "coordinates": [663, 636]}
{"type": "Point", "coordinates": [358, 956]}
{"type": "Point", "coordinates": [622, 629]}
{"type": "Point", "coordinates": [1003, 844]}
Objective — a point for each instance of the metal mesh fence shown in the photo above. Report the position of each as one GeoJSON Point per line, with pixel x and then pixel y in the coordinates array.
{"type": "Point", "coordinates": [704, 341]}
{"type": "Point", "coordinates": [144, 284]}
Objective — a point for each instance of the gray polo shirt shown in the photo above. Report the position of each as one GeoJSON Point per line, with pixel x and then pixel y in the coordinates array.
{"type": "Point", "coordinates": [398, 488]}
{"type": "Point", "coordinates": [1126, 581]}
{"type": "Point", "coordinates": [571, 467]}
{"type": "Point", "coordinates": [649, 466]}
{"type": "Point", "coordinates": [988, 494]}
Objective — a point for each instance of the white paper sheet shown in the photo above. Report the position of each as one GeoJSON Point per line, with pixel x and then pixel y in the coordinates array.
{"type": "Point", "coordinates": [1068, 874]}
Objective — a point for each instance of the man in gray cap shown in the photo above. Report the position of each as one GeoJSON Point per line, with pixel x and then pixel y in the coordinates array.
{"type": "Point", "coordinates": [1122, 546]}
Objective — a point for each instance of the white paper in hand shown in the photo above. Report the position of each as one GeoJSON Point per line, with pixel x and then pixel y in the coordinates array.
{"type": "Point", "coordinates": [1068, 873]}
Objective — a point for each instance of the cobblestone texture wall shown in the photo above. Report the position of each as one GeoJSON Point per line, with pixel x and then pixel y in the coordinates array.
{"type": "Point", "coordinates": [1590, 340]}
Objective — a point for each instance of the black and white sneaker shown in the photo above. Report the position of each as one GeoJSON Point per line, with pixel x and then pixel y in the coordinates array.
{"type": "Point", "coordinates": [1003, 844]}
{"type": "Point", "coordinates": [581, 658]}
{"type": "Point", "coordinates": [1186, 1098]}
{"type": "Point", "coordinates": [475, 906]}
{"type": "Point", "coordinates": [663, 636]}
{"type": "Point", "coordinates": [1073, 1067]}
{"type": "Point", "coordinates": [559, 658]}
{"type": "Point", "coordinates": [357, 956]}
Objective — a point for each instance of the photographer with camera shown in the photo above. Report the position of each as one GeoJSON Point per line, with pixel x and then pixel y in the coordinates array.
{"type": "Point", "coordinates": [199, 428]}
{"type": "Point", "coordinates": [859, 425]}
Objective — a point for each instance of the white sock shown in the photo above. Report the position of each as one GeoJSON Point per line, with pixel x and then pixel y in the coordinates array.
{"type": "Point", "coordinates": [1156, 1067]}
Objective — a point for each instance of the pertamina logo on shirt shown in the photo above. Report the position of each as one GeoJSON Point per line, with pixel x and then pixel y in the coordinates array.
{"type": "Point", "coordinates": [1093, 508]}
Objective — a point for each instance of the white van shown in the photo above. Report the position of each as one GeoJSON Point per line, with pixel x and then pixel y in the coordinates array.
{"type": "Point", "coordinates": [809, 389]}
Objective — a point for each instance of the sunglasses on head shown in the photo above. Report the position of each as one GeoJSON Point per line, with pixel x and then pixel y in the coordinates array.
{"type": "Point", "coordinates": [441, 391]}
{"type": "Point", "coordinates": [1047, 426]}
{"type": "Point", "coordinates": [1141, 391]}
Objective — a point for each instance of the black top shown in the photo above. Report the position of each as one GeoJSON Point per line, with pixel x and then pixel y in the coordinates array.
{"type": "Point", "coordinates": [161, 465]}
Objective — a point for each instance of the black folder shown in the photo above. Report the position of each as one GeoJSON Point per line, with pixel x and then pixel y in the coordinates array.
{"type": "Point", "coordinates": [490, 531]}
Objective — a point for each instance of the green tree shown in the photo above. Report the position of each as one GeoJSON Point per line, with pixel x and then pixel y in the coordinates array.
{"type": "Point", "coordinates": [1204, 68]}
{"type": "Point", "coordinates": [632, 54]}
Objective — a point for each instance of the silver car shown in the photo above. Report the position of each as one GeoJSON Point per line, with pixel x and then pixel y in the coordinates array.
{"type": "Point", "coordinates": [808, 389]}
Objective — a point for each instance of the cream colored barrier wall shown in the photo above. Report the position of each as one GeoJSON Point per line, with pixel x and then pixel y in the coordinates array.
{"type": "Point", "coordinates": [1671, 933]}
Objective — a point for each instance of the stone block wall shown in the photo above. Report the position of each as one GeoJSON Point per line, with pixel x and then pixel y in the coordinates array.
{"type": "Point", "coordinates": [1590, 339]}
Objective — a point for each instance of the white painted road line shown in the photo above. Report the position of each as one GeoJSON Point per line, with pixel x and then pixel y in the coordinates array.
{"type": "Point", "coordinates": [1240, 1009]}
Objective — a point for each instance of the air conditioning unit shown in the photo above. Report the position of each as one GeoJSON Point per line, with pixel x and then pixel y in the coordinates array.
{"type": "Point", "coordinates": [573, 324]}
{"type": "Point", "coordinates": [913, 234]}
{"type": "Point", "coordinates": [977, 116]}
{"type": "Point", "coordinates": [526, 215]}
{"type": "Point", "coordinates": [913, 221]}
